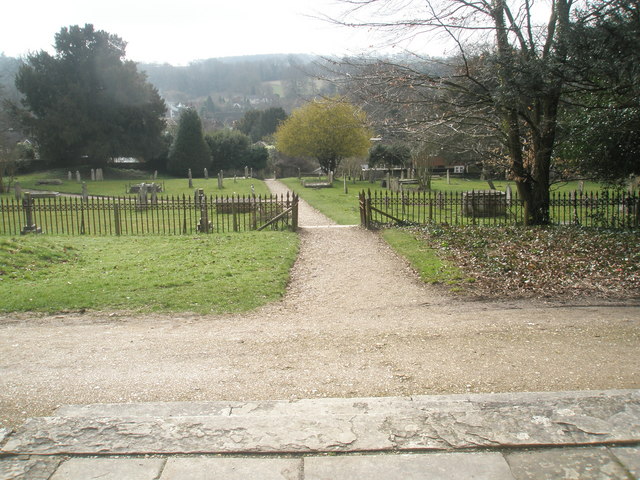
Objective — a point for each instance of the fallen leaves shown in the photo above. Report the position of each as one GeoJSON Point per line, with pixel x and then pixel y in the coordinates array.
{"type": "Point", "coordinates": [543, 261]}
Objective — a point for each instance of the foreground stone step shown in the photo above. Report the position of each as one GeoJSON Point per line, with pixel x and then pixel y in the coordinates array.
{"type": "Point", "coordinates": [346, 406]}
{"type": "Point", "coordinates": [338, 425]}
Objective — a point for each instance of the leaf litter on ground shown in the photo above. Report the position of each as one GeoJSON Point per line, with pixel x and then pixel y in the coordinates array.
{"type": "Point", "coordinates": [542, 261]}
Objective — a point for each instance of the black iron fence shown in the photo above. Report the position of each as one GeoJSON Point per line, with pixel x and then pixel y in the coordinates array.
{"type": "Point", "coordinates": [143, 216]}
{"type": "Point", "coordinates": [492, 207]}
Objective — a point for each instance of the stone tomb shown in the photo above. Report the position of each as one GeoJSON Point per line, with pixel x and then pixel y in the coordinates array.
{"type": "Point", "coordinates": [484, 203]}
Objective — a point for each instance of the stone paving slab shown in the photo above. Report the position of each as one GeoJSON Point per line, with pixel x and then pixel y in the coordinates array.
{"type": "Point", "coordinates": [566, 464]}
{"type": "Point", "coordinates": [332, 406]}
{"type": "Point", "coordinates": [438, 466]}
{"type": "Point", "coordinates": [327, 406]}
{"type": "Point", "coordinates": [110, 469]}
{"type": "Point", "coordinates": [630, 458]}
{"type": "Point", "coordinates": [24, 467]}
{"type": "Point", "coordinates": [431, 423]}
{"type": "Point", "coordinates": [233, 469]}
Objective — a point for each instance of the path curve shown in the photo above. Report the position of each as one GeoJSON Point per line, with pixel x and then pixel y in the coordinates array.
{"type": "Point", "coordinates": [355, 322]}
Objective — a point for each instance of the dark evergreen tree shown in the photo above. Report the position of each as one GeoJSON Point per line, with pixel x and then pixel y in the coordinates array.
{"type": "Point", "coordinates": [601, 120]}
{"type": "Point", "coordinates": [229, 149]}
{"type": "Point", "coordinates": [189, 150]}
{"type": "Point", "coordinates": [86, 103]}
{"type": "Point", "coordinates": [258, 124]}
{"type": "Point", "coordinates": [257, 157]}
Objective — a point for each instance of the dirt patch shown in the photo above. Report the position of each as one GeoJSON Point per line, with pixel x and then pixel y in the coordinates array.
{"type": "Point", "coordinates": [356, 321]}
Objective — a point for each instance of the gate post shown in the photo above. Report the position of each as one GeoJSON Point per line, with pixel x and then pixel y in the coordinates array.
{"type": "Point", "coordinates": [294, 213]}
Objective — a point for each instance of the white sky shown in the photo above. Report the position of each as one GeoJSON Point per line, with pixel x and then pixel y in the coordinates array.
{"type": "Point", "coordinates": [180, 31]}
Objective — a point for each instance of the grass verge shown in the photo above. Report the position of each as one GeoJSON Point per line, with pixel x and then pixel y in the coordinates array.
{"type": "Point", "coordinates": [202, 274]}
{"type": "Point", "coordinates": [425, 259]}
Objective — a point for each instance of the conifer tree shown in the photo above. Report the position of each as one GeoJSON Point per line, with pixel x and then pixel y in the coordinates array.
{"type": "Point", "coordinates": [189, 150]}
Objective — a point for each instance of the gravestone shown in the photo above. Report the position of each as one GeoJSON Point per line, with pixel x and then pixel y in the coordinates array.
{"type": "Point", "coordinates": [85, 193]}
{"type": "Point", "coordinates": [448, 177]}
{"type": "Point", "coordinates": [18, 190]}
{"type": "Point", "coordinates": [93, 175]}
{"type": "Point", "coordinates": [484, 203]}
{"type": "Point", "coordinates": [220, 180]}
{"type": "Point", "coordinates": [206, 173]}
{"type": "Point", "coordinates": [155, 175]}
{"type": "Point", "coordinates": [78, 177]}
{"type": "Point", "coordinates": [142, 194]}
{"type": "Point", "coordinates": [190, 179]}
{"type": "Point", "coordinates": [99, 175]}
{"type": "Point", "coordinates": [508, 194]}
{"type": "Point", "coordinates": [246, 172]}
{"type": "Point", "coordinates": [69, 175]}
{"type": "Point", "coordinates": [27, 206]}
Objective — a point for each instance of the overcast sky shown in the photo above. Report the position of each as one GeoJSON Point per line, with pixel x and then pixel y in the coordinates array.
{"type": "Point", "coordinates": [180, 31]}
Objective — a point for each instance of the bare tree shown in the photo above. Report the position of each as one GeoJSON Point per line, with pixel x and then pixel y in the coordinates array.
{"type": "Point", "coordinates": [504, 83]}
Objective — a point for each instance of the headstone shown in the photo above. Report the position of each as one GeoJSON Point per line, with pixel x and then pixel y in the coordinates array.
{"type": "Point", "coordinates": [190, 179]}
{"type": "Point", "coordinates": [206, 173]}
{"type": "Point", "coordinates": [78, 177]}
{"type": "Point", "coordinates": [581, 186]}
{"type": "Point", "coordinates": [142, 194]}
{"type": "Point", "coordinates": [155, 175]}
{"type": "Point", "coordinates": [251, 173]}
{"type": "Point", "coordinates": [508, 193]}
{"type": "Point", "coordinates": [93, 175]}
{"type": "Point", "coordinates": [69, 175]}
{"type": "Point", "coordinates": [344, 182]}
{"type": "Point", "coordinates": [331, 177]}
{"type": "Point", "coordinates": [402, 174]}
{"type": "Point", "coordinates": [246, 172]}
{"type": "Point", "coordinates": [154, 196]}
{"type": "Point", "coordinates": [448, 177]}
{"type": "Point", "coordinates": [220, 179]}
{"type": "Point", "coordinates": [235, 179]}
{"type": "Point", "coordinates": [85, 193]}
{"type": "Point", "coordinates": [99, 175]}
{"type": "Point", "coordinates": [18, 190]}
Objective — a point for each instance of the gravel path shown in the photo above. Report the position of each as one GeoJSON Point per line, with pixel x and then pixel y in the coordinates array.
{"type": "Point", "coordinates": [356, 321]}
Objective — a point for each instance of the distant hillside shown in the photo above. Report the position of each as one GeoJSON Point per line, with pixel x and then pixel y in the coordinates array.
{"type": "Point", "coordinates": [222, 89]}
{"type": "Point", "coordinates": [252, 75]}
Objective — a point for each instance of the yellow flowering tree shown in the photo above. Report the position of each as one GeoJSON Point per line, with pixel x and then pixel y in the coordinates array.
{"type": "Point", "coordinates": [327, 130]}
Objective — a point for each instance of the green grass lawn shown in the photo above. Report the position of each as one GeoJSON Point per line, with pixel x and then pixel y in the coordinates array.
{"type": "Point", "coordinates": [425, 260]}
{"type": "Point", "coordinates": [202, 274]}
{"type": "Point", "coordinates": [117, 181]}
